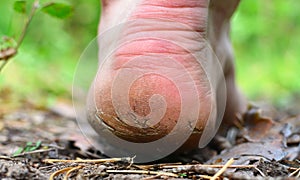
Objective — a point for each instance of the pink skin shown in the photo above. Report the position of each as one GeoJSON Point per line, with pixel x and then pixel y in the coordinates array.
{"type": "Point", "coordinates": [202, 20]}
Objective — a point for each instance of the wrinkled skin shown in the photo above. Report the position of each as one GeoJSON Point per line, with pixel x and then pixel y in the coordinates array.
{"type": "Point", "coordinates": [210, 21]}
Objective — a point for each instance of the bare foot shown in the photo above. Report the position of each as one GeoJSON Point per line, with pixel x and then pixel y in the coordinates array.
{"type": "Point", "coordinates": [166, 74]}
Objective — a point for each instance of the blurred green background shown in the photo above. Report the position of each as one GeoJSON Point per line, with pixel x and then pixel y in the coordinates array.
{"type": "Point", "coordinates": [265, 35]}
{"type": "Point", "coordinates": [266, 40]}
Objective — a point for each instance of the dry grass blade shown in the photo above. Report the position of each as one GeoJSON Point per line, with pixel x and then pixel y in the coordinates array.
{"type": "Point", "coordinates": [71, 170]}
{"type": "Point", "coordinates": [143, 172]}
{"type": "Point", "coordinates": [59, 172]}
{"type": "Point", "coordinates": [260, 172]}
{"type": "Point", "coordinates": [223, 169]}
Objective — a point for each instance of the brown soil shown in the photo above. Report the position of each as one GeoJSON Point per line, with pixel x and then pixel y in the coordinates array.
{"type": "Point", "coordinates": [260, 146]}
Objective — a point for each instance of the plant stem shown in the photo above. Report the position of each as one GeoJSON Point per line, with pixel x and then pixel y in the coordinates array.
{"type": "Point", "coordinates": [35, 6]}
{"type": "Point", "coordinates": [3, 64]}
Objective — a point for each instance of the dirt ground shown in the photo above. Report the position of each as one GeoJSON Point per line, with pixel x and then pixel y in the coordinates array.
{"type": "Point", "coordinates": [38, 143]}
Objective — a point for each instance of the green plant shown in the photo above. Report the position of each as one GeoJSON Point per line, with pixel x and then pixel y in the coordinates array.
{"type": "Point", "coordinates": [8, 45]}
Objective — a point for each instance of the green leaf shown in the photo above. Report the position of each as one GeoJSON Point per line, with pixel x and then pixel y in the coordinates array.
{"type": "Point", "coordinates": [27, 147]}
{"type": "Point", "coordinates": [32, 147]}
{"type": "Point", "coordinates": [58, 10]}
{"type": "Point", "coordinates": [20, 7]}
{"type": "Point", "coordinates": [18, 151]}
{"type": "Point", "coordinates": [182, 175]}
{"type": "Point", "coordinates": [38, 144]}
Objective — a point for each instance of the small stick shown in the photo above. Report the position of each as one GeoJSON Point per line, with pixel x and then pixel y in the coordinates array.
{"type": "Point", "coordinates": [292, 168]}
{"type": "Point", "coordinates": [5, 158]}
{"type": "Point", "coordinates": [223, 169]}
{"type": "Point", "coordinates": [165, 165]}
{"type": "Point", "coordinates": [143, 172]}
{"type": "Point", "coordinates": [293, 173]}
{"type": "Point", "coordinates": [88, 161]}
{"type": "Point", "coordinates": [209, 166]}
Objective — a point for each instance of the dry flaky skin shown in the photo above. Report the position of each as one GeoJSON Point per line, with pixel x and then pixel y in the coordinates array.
{"type": "Point", "coordinates": [179, 43]}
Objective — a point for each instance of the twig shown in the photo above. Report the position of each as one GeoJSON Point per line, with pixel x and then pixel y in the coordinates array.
{"type": "Point", "coordinates": [223, 169]}
{"type": "Point", "coordinates": [208, 166]}
{"type": "Point", "coordinates": [128, 159]}
{"type": "Point", "coordinates": [160, 166]}
{"type": "Point", "coordinates": [6, 158]}
{"type": "Point", "coordinates": [293, 173]}
{"type": "Point", "coordinates": [143, 172]}
{"type": "Point", "coordinates": [292, 168]}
